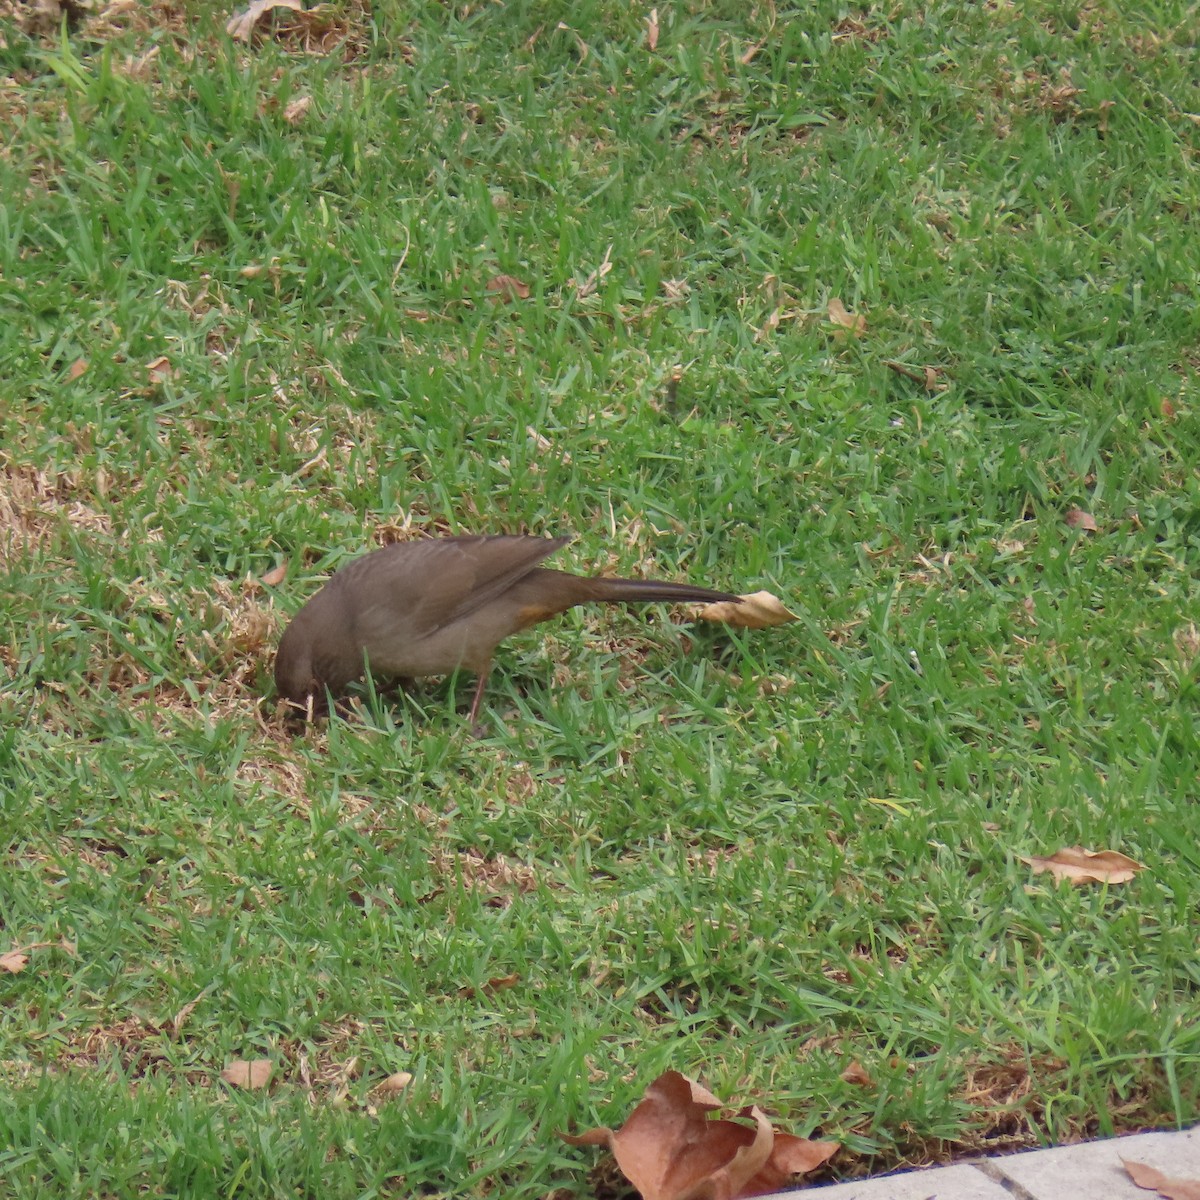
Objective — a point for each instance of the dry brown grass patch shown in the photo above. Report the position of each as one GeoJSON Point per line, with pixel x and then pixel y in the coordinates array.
{"type": "Point", "coordinates": [498, 879]}
{"type": "Point", "coordinates": [35, 505]}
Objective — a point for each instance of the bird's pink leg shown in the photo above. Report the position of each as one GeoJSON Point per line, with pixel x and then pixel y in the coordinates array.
{"type": "Point", "coordinates": [477, 701]}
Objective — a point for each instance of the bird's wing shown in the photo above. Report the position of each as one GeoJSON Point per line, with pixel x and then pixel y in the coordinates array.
{"type": "Point", "coordinates": [430, 584]}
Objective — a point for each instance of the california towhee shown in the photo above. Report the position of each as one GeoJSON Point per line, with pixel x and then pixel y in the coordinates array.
{"type": "Point", "coordinates": [432, 606]}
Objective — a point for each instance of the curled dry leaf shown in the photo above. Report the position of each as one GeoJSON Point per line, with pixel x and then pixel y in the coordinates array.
{"type": "Point", "coordinates": [276, 575]}
{"type": "Point", "coordinates": [652, 30]}
{"type": "Point", "coordinates": [1153, 1180]}
{"type": "Point", "coordinates": [395, 1083]}
{"type": "Point", "coordinates": [1078, 519]}
{"type": "Point", "coordinates": [252, 1074]}
{"type": "Point", "coordinates": [508, 288]}
{"type": "Point", "coordinates": [500, 983]}
{"type": "Point", "coordinates": [295, 109]}
{"type": "Point", "coordinates": [848, 323]}
{"type": "Point", "coordinates": [14, 961]}
{"type": "Point", "coordinates": [856, 1073]}
{"type": "Point", "coordinates": [241, 25]}
{"type": "Point", "coordinates": [1086, 866]}
{"type": "Point", "coordinates": [669, 1149]}
{"type": "Point", "coordinates": [77, 368]}
{"type": "Point", "coordinates": [758, 610]}
{"type": "Point", "coordinates": [159, 369]}
{"type": "Point", "coordinates": [180, 1018]}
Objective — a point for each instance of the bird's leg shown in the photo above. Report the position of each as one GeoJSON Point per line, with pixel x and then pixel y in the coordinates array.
{"type": "Point", "coordinates": [476, 728]}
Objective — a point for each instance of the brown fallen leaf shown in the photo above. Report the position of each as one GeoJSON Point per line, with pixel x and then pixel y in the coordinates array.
{"type": "Point", "coordinates": [77, 368]}
{"type": "Point", "coordinates": [14, 961]}
{"type": "Point", "coordinates": [758, 610]}
{"type": "Point", "coordinates": [276, 575]}
{"type": "Point", "coordinates": [252, 1074]}
{"type": "Point", "coordinates": [159, 369]}
{"type": "Point", "coordinates": [1086, 866]}
{"type": "Point", "coordinates": [790, 1156]}
{"type": "Point", "coordinates": [508, 288]}
{"type": "Point", "coordinates": [1153, 1180]}
{"type": "Point", "coordinates": [856, 1073]}
{"type": "Point", "coordinates": [500, 983]}
{"type": "Point", "coordinates": [848, 323]}
{"type": "Point", "coordinates": [652, 30]}
{"type": "Point", "coordinates": [241, 25]}
{"type": "Point", "coordinates": [1078, 519]}
{"type": "Point", "coordinates": [669, 1149]}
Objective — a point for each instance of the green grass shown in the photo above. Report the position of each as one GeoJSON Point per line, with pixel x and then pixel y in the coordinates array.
{"type": "Point", "coordinates": [751, 857]}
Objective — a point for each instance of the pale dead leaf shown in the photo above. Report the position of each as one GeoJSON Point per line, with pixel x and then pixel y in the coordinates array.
{"type": "Point", "coordinates": [670, 1149]}
{"type": "Point", "coordinates": [758, 610]}
{"type": "Point", "coordinates": [395, 1083]}
{"type": "Point", "coordinates": [180, 1018]}
{"type": "Point", "coordinates": [1168, 410]}
{"type": "Point", "coordinates": [856, 1073]}
{"type": "Point", "coordinates": [1153, 1180]}
{"type": "Point", "coordinates": [1078, 519]}
{"type": "Point", "coordinates": [932, 375]}
{"type": "Point", "coordinates": [583, 46]}
{"type": "Point", "coordinates": [77, 368]}
{"type": "Point", "coordinates": [252, 1074]}
{"type": "Point", "coordinates": [589, 285]}
{"type": "Point", "coordinates": [652, 30]}
{"type": "Point", "coordinates": [13, 961]}
{"type": "Point", "coordinates": [276, 575]}
{"type": "Point", "coordinates": [1078, 865]}
{"type": "Point", "coordinates": [540, 441]}
{"type": "Point", "coordinates": [508, 288]}
{"type": "Point", "coordinates": [295, 109]}
{"type": "Point", "coordinates": [241, 25]}
{"type": "Point", "coordinates": [848, 323]}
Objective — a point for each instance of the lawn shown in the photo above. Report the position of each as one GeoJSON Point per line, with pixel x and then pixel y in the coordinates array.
{"type": "Point", "coordinates": [571, 268]}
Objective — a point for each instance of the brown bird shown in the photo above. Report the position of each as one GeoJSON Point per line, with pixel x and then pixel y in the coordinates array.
{"type": "Point", "coordinates": [433, 606]}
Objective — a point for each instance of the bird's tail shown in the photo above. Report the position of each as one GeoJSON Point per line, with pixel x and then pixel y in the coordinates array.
{"type": "Point", "coordinates": [647, 591]}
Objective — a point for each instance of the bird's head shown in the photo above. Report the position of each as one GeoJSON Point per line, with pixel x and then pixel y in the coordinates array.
{"type": "Point", "coordinates": [296, 677]}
